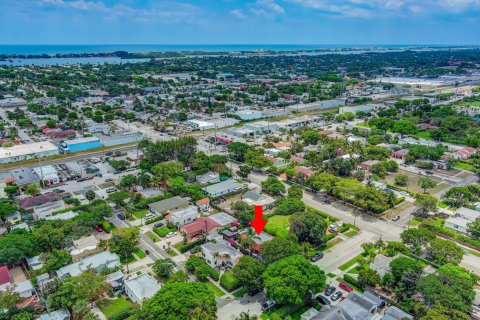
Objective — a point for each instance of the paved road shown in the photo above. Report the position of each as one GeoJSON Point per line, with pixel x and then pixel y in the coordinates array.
{"type": "Point", "coordinates": [72, 158]}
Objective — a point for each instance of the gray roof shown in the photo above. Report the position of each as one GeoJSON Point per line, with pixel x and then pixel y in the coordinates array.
{"type": "Point", "coordinates": [394, 313]}
{"type": "Point", "coordinates": [167, 205]}
{"type": "Point", "coordinates": [222, 247]}
{"type": "Point", "coordinates": [255, 196]}
{"type": "Point", "coordinates": [24, 176]}
{"type": "Point", "coordinates": [98, 260]}
{"type": "Point", "coordinates": [222, 218]}
{"type": "Point", "coordinates": [221, 186]}
{"type": "Point", "coordinates": [143, 286]}
{"type": "Point", "coordinates": [56, 315]}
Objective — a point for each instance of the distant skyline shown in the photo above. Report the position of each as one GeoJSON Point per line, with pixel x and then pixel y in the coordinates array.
{"type": "Point", "coordinates": [366, 22]}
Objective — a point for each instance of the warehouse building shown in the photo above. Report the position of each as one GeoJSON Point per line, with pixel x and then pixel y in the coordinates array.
{"type": "Point", "coordinates": [123, 138]}
{"type": "Point", "coordinates": [319, 105]}
{"type": "Point", "coordinates": [27, 151]}
{"type": "Point", "coordinates": [247, 114]}
{"type": "Point", "coordinates": [81, 144]}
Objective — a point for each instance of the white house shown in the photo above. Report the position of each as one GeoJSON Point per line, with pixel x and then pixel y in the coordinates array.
{"type": "Point", "coordinates": [220, 254]}
{"type": "Point", "coordinates": [141, 288]}
{"type": "Point", "coordinates": [463, 216]}
{"type": "Point", "coordinates": [222, 188]}
{"type": "Point", "coordinates": [97, 262]}
{"type": "Point", "coordinates": [203, 205]}
{"type": "Point", "coordinates": [183, 216]}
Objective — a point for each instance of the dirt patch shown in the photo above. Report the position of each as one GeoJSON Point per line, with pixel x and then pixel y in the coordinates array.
{"type": "Point", "coordinates": [17, 275]}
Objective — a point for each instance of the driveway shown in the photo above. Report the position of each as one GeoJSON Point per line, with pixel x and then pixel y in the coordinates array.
{"type": "Point", "coordinates": [252, 305]}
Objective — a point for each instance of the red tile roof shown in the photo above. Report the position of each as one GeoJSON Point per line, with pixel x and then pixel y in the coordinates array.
{"type": "Point", "coordinates": [39, 200]}
{"type": "Point", "coordinates": [202, 224]}
{"type": "Point", "coordinates": [203, 201]}
{"type": "Point", "coordinates": [4, 275]}
{"type": "Point", "coordinates": [307, 172]}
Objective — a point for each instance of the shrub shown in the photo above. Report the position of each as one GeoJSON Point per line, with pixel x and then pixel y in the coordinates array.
{"type": "Point", "coordinates": [106, 226]}
{"type": "Point", "coordinates": [158, 218]}
{"type": "Point", "coordinates": [188, 246]}
{"type": "Point", "coordinates": [351, 280]}
{"type": "Point", "coordinates": [229, 282]}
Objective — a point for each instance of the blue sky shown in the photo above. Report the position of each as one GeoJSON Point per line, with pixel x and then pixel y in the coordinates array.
{"type": "Point", "coordinates": [240, 22]}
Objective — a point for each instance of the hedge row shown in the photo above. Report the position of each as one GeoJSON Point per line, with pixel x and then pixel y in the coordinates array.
{"type": "Point", "coordinates": [351, 280]}
{"type": "Point", "coordinates": [392, 186]}
{"type": "Point", "coordinates": [188, 246]}
{"type": "Point", "coordinates": [452, 234]}
{"type": "Point", "coordinates": [229, 282]}
{"type": "Point", "coordinates": [323, 214]}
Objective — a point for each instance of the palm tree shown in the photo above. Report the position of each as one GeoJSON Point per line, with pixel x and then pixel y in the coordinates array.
{"type": "Point", "coordinates": [202, 311]}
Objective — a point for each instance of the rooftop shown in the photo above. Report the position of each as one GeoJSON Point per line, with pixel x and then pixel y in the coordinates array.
{"type": "Point", "coordinates": [143, 286]}
{"type": "Point", "coordinates": [20, 150]}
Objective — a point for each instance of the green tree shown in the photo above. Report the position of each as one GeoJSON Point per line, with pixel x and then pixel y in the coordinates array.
{"type": "Point", "coordinates": [474, 229]}
{"type": "Point", "coordinates": [128, 181]}
{"type": "Point", "coordinates": [33, 189]}
{"type": "Point", "coordinates": [17, 245]}
{"type": "Point", "coordinates": [124, 240]}
{"type": "Point", "coordinates": [175, 301]}
{"type": "Point", "coordinates": [405, 127]}
{"type": "Point", "coordinates": [248, 271]}
{"type": "Point", "coordinates": [401, 179]}
{"type": "Point", "coordinates": [9, 298]}
{"type": "Point", "coordinates": [445, 251]}
{"type": "Point", "coordinates": [238, 150]}
{"type": "Point", "coordinates": [280, 248]}
{"type": "Point", "coordinates": [368, 278]}
{"type": "Point", "coordinates": [441, 312]}
{"type": "Point", "coordinates": [179, 276]}
{"type": "Point", "coordinates": [308, 227]}
{"type": "Point", "coordinates": [417, 237]}
{"type": "Point", "coordinates": [459, 196]}
{"type": "Point", "coordinates": [48, 237]}
{"type": "Point", "coordinates": [273, 186]}
{"type": "Point", "coordinates": [295, 192]}
{"type": "Point", "coordinates": [163, 268]}
{"type": "Point", "coordinates": [288, 206]}
{"type": "Point", "coordinates": [451, 287]}
{"type": "Point", "coordinates": [425, 203]}
{"type": "Point", "coordinates": [56, 259]}
{"type": "Point", "coordinates": [244, 171]}
{"type": "Point", "coordinates": [427, 183]}
{"type": "Point", "coordinates": [90, 195]}
{"type": "Point", "coordinates": [290, 280]}
{"type": "Point", "coordinates": [310, 137]}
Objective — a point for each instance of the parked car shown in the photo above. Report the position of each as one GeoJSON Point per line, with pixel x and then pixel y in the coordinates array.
{"type": "Point", "coordinates": [99, 229]}
{"type": "Point", "coordinates": [316, 257]}
{"type": "Point", "coordinates": [171, 234]}
{"type": "Point", "coordinates": [121, 216]}
{"type": "Point", "coordinates": [158, 225]}
{"type": "Point", "coordinates": [337, 295]}
{"type": "Point", "coordinates": [329, 290]}
{"type": "Point", "coordinates": [267, 305]}
{"type": "Point", "coordinates": [396, 218]}
{"type": "Point", "coordinates": [323, 300]}
{"type": "Point", "coordinates": [108, 179]}
{"type": "Point", "coordinates": [345, 287]}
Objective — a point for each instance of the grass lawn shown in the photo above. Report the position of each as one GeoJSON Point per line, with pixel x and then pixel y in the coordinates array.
{"type": "Point", "coordinates": [351, 233]}
{"type": "Point", "coordinates": [130, 259]}
{"type": "Point", "coordinates": [331, 275]}
{"type": "Point", "coordinates": [213, 287]}
{"type": "Point", "coordinates": [240, 293]}
{"type": "Point", "coordinates": [278, 226]}
{"type": "Point", "coordinates": [443, 204]}
{"type": "Point", "coordinates": [424, 135]}
{"type": "Point", "coordinates": [140, 213]}
{"type": "Point", "coordinates": [415, 221]}
{"type": "Point", "coordinates": [355, 270]}
{"type": "Point", "coordinates": [139, 252]}
{"type": "Point", "coordinates": [171, 252]}
{"type": "Point", "coordinates": [465, 166]}
{"type": "Point", "coordinates": [152, 236]}
{"type": "Point", "coordinates": [163, 231]}
{"type": "Point", "coordinates": [112, 308]}
{"type": "Point", "coordinates": [351, 262]}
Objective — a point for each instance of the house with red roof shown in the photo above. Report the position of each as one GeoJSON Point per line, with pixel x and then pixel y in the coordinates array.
{"type": "Point", "coordinates": [4, 275]}
{"type": "Point", "coordinates": [463, 154]}
{"type": "Point", "coordinates": [203, 204]}
{"type": "Point", "coordinates": [28, 204]}
{"type": "Point", "coordinates": [278, 162]}
{"type": "Point", "coordinates": [207, 225]}
{"type": "Point", "coordinates": [297, 159]}
{"type": "Point", "coordinates": [304, 171]}
{"type": "Point", "coordinates": [282, 145]}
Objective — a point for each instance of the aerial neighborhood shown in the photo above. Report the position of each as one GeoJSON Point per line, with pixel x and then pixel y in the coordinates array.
{"type": "Point", "coordinates": [134, 190]}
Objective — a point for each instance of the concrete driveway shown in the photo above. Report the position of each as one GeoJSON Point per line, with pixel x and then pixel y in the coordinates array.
{"type": "Point", "coordinates": [252, 305]}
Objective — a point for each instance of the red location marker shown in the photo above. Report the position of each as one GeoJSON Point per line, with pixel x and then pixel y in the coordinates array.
{"type": "Point", "coordinates": [258, 223]}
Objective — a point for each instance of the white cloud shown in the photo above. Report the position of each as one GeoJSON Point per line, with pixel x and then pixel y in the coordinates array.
{"type": "Point", "coordinates": [237, 13]}
{"type": "Point", "coordinates": [368, 8]}
{"type": "Point", "coordinates": [179, 11]}
{"type": "Point", "coordinates": [270, 5]}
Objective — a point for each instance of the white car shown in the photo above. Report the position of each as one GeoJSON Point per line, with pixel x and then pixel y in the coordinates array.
{"type": "Point", "coordinates": [171, 234]}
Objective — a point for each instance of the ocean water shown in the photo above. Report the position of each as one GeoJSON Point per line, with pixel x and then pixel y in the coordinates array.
{"type": "Point", "coordinates": [65, 49]}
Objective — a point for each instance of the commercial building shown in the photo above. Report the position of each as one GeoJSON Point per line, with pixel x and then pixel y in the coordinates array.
{"type": "Point", "coordinates": [200, 124]}
{"type": "Point", "coordinates": [13, 103]}
{"type": "Point", "coordinates": [48, 174]}
{"type": "Point", "coordinates": [247, 114]}
{"type": "Point", "coordinates": [361, 108]}
{"type": "Point", "coordinates": [81, 144]}
{"type": "Point", "coordinates": [319, 105]}
{"type": "Point", "coordinates": [27, 151]}
{"type": "Point", "coordinates": [292, 123]}
{"type": "Point", "coordinates": [141, 288]}
{"type": "Point", "coordinates": [123, 138]}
